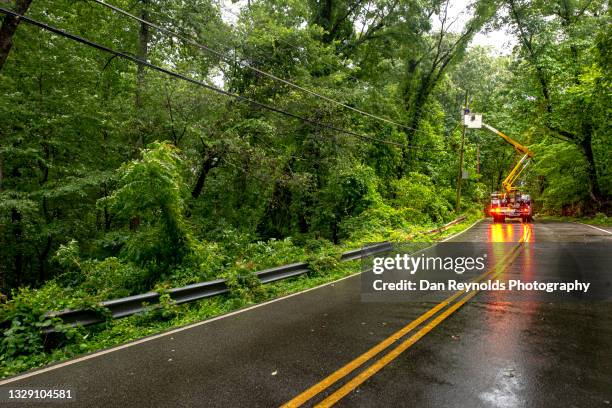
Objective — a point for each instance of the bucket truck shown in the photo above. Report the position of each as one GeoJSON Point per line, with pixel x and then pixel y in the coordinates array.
{"type": "Point", "coordinates": [511, 203]}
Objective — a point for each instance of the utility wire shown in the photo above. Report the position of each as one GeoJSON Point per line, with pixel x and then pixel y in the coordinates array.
{"type": "Point", "coordinates": [298, 48]}
{"type": "Point", "coordinates": [174, 74]}
{"type": "Point", "coordinates": [245, 64]}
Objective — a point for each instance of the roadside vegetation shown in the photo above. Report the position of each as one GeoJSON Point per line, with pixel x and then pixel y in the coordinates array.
{"type": "Point", "coordinates": [25, 346]}
{"type": "Point", "coordinates": [116, 179]}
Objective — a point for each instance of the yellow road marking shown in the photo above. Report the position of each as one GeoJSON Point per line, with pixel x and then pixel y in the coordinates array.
{"type": "Point", "coordinates": [342, 372]}
{"type": "Point", "coordinates": [379, 364]}
{"type": "Point", "coordinates": [393, 354]}
{"type": "Point", "coordinates": [359, 361]}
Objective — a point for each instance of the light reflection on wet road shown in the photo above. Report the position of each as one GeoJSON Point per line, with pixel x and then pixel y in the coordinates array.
{"type": "Point", "coordinates": [500, 353]}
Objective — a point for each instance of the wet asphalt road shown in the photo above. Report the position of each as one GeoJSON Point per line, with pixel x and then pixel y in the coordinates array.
{"type": "Point", "coordinates": [489, 353]}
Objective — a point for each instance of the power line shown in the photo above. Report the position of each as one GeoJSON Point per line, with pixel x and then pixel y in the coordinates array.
{"type": "Point", "coordinates": [245, 64]}
{"type": "Point", "coordinates": [297, 48]}
{"type": "Point", "coordinates": [174, 74]}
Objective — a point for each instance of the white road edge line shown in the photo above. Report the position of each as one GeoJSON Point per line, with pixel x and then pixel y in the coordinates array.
{"type": "Point", "coordinates": [461, 232]}
{"type": "Point", "coordinates": [180, 329]}
{"type": "Point", "coordinates": [166, 333]}
{"type": "Point", "coordinates": [598, 229]}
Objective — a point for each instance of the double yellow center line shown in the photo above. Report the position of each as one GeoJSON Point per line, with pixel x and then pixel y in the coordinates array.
{"type": "Point", "coordinates": [321, 386]}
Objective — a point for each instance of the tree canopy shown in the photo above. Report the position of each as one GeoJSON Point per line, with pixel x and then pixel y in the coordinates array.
{"type": "Point", "coordinates": [143, 173]}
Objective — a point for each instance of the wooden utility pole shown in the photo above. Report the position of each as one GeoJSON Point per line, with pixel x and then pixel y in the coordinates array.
{"type": "Point", "coordinates": [460, 172]}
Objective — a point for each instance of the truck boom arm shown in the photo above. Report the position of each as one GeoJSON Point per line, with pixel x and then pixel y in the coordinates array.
{"type": "Point", "coordinates": [508, 183]}
{"type": "Point", "coordinates": [508, 139]}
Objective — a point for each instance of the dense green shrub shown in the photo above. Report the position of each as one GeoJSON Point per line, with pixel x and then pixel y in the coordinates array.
{"type": "Point", "coordinates": [151, 197]}
{"type": "Point", "coordinates": [243, 284]}
{"type": "Point", "coordinates": [106, 279]}
{"type": "Point", "coordinates": [601, 219]}
{"type": "Point", "coordinates": [417, 191]}
{"type": "Point", "coordinates": [165, 310]}
{"type": "Point", "coordinates": [270, 253]}
{"type": "Point", "coordinates": [376, 223]}
{"type": "Point", "coordinates": [205, 261]}
{"type": "Point", "coordinates": [374, 219]}
{"type": "Point", "coordinates": [322, 265]}
{"type": "Point", "coordinates": [561, 185]}
{"type": "Point", "coordinates": [352, 190]}
{"type": "Point", "coordinates": [25, 317]}
{"type": "Point", "coordinates": [349, 191]}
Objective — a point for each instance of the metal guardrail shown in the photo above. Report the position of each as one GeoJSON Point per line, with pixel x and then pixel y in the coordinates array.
{"type": "Point", "coordinates": [446, 226]}
{"type": "Point", "coordinates": [366, 251]}
{"type": "Point", "coordinates": [139, 303]}
{"type": "Point", "coordinates": [130, 305]}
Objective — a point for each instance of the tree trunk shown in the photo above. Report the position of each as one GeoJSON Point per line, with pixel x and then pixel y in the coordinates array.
{"type": "Point", "coordinates": [208, 164]}
{"type": "Point", "coordinates": [1, 172]}
{"type": "Point", "coordinates": [7, 32]}
{"type": "Point", "coordinates": [587, 151]}
{"type": "Point", "coordinates": [323, 17]}
{"type": "Point", "coordinates": [8, 29]}
{"type": "Point", "coordinates": [143, 54]}
{"type": "Point", "coordinates": [107, 219]}
{"type": "Point", "coordinates": [416, 114]}
{"type": "Point", "coordinates": [18, 260]}
{"type": "Point", "coordinates": [42, 260]}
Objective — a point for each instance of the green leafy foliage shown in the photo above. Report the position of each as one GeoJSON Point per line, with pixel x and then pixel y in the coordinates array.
{"type": "Point", "coordinates": [243, 285]}
{"type": "Point", "coordinates": [563, 175]}
{"type": "Point", "coordinates": [350, 191]}
{"type": "Point", "coordinates": [418, 192]}
{"type": "Point", "coordinates": [116, 180]}
{"type": "Point", "coordinates": [150, 195]}
{"type": "Point", "coordinates": [25, 319]}
{"type": "Point", "coordinates": [321, 266]}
